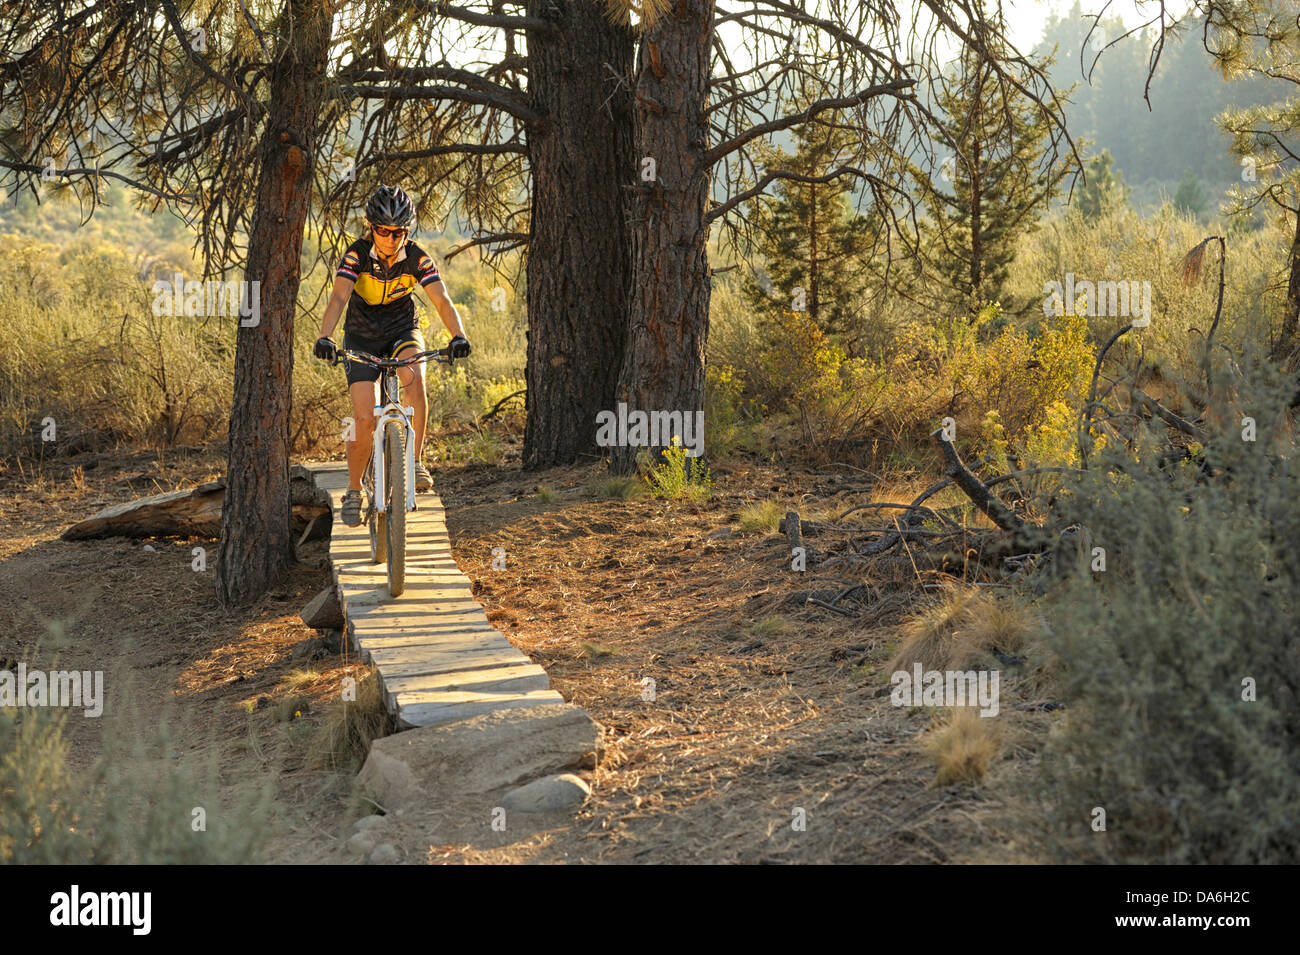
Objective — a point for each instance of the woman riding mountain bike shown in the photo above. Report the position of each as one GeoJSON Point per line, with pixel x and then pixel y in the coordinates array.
{"type": "Point", "coordinates": [375, 281]}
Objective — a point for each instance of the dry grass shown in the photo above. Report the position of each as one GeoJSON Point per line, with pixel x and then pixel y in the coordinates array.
{"type": "Point", "coordinates": [761, 518]}
{"type": "Point", "coordinates": [344, 737]}
{"type": "Point", "coordinates": [963, 746]}
{"type": "Point", "coordinates": [150, 617]}
{"type": "Point", "coordinates": [620, 488]}
{"type": "Point", "coordinates": [762, 702]}
{"type": "Point", "coordinates": [961, 630]}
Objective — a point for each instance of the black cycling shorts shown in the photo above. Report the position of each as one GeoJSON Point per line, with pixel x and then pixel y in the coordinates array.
{"type": "Point", "coordinates": [380, 348]}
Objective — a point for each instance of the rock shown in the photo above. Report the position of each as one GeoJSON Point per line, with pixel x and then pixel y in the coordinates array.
{"type": "Point", "coordinates": [324, 611]}
{"type": "Point", "coordinates": [332, 641]}
{"type": "Point", "coordinates": [370, 822]}
{"type": "Point", "coordinates": [387, 776]}
{"type": "Point", "coordinates": [305, 649]}
{"type": "Point", "coordinates": [384, 854]}
{"type": "Point", "coordinates": [362, 843]}
{"type": "Point", "coordinates": [432, 765]}
{"type": "Point", "coordinates": [563, 791]}
{"type": "Point", "coordinates": [150, 548]}
{"type": "Point", "coordinates": [725, 533]}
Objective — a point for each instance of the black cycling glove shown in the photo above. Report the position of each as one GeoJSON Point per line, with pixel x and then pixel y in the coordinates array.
{"type": "Point", "coordinates": [459, 347]}
{"type": "Point", "coordinates": [325, 349]}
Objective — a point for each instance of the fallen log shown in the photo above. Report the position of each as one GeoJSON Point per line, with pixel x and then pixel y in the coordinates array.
{"type": "Point", "coordinates": [974, 488]}
{"type": "Point", "coordinates": [793, 533]}
{"type": "Point", "coordinates": [807, 528]}
{"type": "Point", "coordinates": [1193, 431]}
{"type": "Point", "coordinates": [197, 513]}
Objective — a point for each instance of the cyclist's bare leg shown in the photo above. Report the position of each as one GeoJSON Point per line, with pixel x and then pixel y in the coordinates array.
{"type": "Point", "coordinates": [412, 379]}
{"type": "Point", "coordinates": [364, 394]}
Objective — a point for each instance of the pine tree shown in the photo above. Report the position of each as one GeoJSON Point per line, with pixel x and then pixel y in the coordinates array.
{"type": "Point", "coordinates": [810, 238]}
{"type": "Point", "coordinates": [1190, 197]}
{"type": "Point", "coordinates": [1264, 139]}
{"type": "Point", "coordinates": [1103, 188]}
{"type": "Point", "coordinates": [991, 191]}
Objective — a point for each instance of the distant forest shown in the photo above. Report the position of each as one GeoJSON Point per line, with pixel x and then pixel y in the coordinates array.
{"type": "Point", "coordinates": [1152, 147]}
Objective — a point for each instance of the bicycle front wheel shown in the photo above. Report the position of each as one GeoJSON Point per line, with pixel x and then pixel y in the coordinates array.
{"type": "Point", "coordinates": [395, 464]}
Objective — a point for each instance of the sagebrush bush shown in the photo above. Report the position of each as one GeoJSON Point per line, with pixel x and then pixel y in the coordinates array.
{"type": "Point", "coordinates": [1124, 245]}
{"type": "Point", "coordinates": [724, 416]}
{"type": "Point", "coordinates": [1155, 655]}
{"type": "Point", "coordinates": [83, 347]}
{"type": "Point", "coordinates": [135, 805]}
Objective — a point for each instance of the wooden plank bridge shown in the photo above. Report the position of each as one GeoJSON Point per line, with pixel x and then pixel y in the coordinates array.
{"type": "Point", "coordinates": [438, 657]}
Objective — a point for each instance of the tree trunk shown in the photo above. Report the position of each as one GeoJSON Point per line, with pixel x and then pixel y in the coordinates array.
{"type": "Point", "coordinates": [1287, 339]}
{"type": "Point", "coordinates": [976, 226]}
{"type": "Point", "coordinates": [256, 523]}
{"type": "Point", "coordinates": [663, 367]}
{"type": "Point", "coordinates": [578, 253]}
{"type": "Point", "coordinates": [814, 311]}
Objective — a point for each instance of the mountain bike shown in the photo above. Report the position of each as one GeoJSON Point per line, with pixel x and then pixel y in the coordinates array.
{"type": "Point", "coordinates": [390, 476]}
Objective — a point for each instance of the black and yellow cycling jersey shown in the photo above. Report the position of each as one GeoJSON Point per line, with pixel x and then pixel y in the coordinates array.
{"type": "Point", "coordinates": [380, 305]}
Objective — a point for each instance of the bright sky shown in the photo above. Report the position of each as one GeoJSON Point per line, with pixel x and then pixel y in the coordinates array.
{"type": "Point", "coordinates": [1026, 17]}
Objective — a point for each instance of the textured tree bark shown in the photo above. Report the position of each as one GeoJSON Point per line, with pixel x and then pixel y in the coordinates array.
{"type": "Point", "coordinates": [1287, 338]}
{"type": "Point", "coordinates": [814, 307]}
{"type": "Point", "coordinates": [256, 522]}
{"type": "Point", "coordinates": [578, 252]}
{"type": "Point", "coordinates": [976, 227]}
{"type": "Point", "coordinates": [663, 366]}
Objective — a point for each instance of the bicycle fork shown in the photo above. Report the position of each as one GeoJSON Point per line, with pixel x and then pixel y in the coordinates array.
{"type": "Point", "coordinates": [377, 455]}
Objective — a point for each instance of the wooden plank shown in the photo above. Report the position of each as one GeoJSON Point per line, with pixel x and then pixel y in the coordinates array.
{"type": "Point", "coordinates": [425, 636]}
{"type": "Point", "coordinates": [382, 638]}
{"type": "Point", "coordinates": [509, 679]}
{"type": "Point", "coordinates": [392, 639]}
{"type": "Point", "coordinates": [373, 585]}
{"type": "Point", "coordinates": [426, 661]}
{"type": "Point", "coordinates": [414, 615]}
{"type": "Point", "coordinates": [430, 714]}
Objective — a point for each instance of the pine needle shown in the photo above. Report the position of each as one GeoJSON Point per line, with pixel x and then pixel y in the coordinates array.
{"type": "Point", "coordinates": [1193, 262]}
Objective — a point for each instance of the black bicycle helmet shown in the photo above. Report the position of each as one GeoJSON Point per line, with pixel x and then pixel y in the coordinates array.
{"type": "Point", "coordinates": [390, 206]}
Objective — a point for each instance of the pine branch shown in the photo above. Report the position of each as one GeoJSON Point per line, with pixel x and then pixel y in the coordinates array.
{"type": "Point", "coordinates": [496, 100]}
{"type": "Point", "coordinates": [503, 21]}
{"type": "Point", "coordinates": [893, 87]}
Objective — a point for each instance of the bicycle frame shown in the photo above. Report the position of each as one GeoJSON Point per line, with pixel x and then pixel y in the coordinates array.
{"type": "Point", "coordinates": [392, 410]}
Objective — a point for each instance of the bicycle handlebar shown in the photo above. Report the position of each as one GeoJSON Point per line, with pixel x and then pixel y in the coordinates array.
{"type": "Point", "coordinates": [439, 355]}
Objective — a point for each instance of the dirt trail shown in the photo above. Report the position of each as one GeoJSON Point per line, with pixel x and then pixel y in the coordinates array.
{"type": "Point", "coordinates": [761, 709]}
{"type": "Point", "coordinates": [140, 612]}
